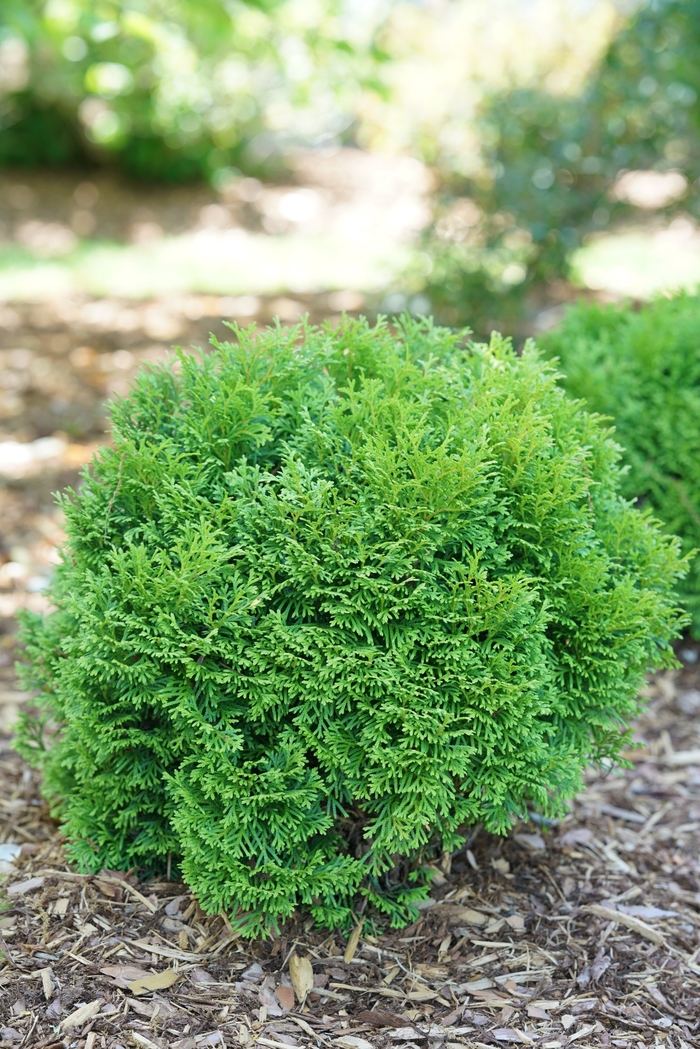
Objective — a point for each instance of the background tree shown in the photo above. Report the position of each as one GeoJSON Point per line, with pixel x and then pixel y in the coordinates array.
{"type": "Point", "coordinates": [552, 168]}
{"type": "Point", "coordinates": [177, 91]}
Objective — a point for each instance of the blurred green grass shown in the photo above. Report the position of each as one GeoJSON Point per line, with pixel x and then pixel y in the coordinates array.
{"type": "Point", "coordinates": [230, 262]}
{"type": "Point", "coordinates": [640, 263]}
{"type": "Point", "coordinates": [637, 263]}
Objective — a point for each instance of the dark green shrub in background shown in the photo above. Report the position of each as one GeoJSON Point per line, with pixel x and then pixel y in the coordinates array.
{"type": "Point", "coordinates": [503, 238]}
{"type": "Point", "coordinates": [332, 597]}
{"type": "Point", "coordinates": [642, 368]}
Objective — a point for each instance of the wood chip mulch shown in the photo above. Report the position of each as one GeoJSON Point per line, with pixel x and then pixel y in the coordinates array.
{"type": "Point", "coordinates": [583, 933]}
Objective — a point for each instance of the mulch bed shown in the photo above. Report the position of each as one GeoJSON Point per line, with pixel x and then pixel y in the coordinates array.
{"type": "Point", "coordinates": [582, 933]}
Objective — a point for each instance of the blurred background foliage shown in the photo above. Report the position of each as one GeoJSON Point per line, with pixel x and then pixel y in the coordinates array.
{"type": "Point", "coordinates": [175, 90]}
{"type": "Point", "coordinates": [556, 166]}
{"type": "Point", "coordinates": [546, 123]}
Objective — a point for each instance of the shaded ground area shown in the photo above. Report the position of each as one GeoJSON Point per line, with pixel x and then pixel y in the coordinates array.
{"type": "Point", "coordinates": [585, 933]}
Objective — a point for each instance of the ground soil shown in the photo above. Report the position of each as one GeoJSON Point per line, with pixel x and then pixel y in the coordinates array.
{"type": "Point", "coordinates": [584, 932]}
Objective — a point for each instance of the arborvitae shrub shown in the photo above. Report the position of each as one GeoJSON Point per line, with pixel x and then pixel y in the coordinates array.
{"type": "Point", "coordinates": [332, 597]}
{"type": "Point", "coordinates": [642, 368]}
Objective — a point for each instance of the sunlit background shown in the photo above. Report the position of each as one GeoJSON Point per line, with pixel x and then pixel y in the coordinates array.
{"type": "Point", "coordinates": [480, 161]}
{"type": "Point", "coordinates": [168, 165]}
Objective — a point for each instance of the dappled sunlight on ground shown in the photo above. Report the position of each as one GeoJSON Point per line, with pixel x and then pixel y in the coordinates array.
{"type": "Point", "coordinates": [346, 222]}
{"type": "Point", "coordinates": [641, 261]}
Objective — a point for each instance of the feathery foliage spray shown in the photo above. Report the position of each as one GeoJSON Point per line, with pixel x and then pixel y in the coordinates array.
{"type": "Point", "coordinates": [332, 597]}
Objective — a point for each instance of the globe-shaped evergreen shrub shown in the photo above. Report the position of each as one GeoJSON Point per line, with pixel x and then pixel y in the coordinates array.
{"type": "Point", "coordinates": [332, 597]}
{"type": "Point", "coordinates": [642, 368]}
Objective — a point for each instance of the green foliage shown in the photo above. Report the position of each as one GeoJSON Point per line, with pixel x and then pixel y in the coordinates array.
{"type": "Point", "coordinates": [333, 596]}
{"type": "Point", "coordinates": [178, 91]}
{"type": "Point", "coordinates": [549, 165]}
{"type": "Point", "coordinates": [648, 90]}
{"type": "Point", "coordinates": [642, 368]}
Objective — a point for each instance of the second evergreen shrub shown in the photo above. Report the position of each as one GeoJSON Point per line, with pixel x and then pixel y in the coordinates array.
{"type": "Point", "coordinates": [642, 368]}
{"type": "Point", "coordinates": [333, 597]}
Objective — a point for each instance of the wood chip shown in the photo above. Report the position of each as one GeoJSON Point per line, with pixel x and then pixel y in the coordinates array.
{"type": "Point", "coordinates": [352, 943]}
{"type": "Point", "coordinates": [79, 958]}
{"type": "Point", "coordinates": [120, 883]}
{"type": "Point", "coordinates": [154, 981]}
{"type": "Point", "coordinates": [510, 1034]}
{"type": "Point", "coordinates": [379, 1017]}
{"type": "Point", "coordinates": [285, 996]}
{"type": "Point", "coordinates": [82, 1014]}
{"type": "Point", "coordinates": [641, 911]}
{"type": "Point", "coordinates": [535, 842]}
{"type": "Point", "coordinates": [464, 914]}
{"type": "Point", "coordinates": [152, 1007]}
{"type": "Point", "coordinates": [479, 985]}
{"type": "Point", "coordinates": [423, 994]}
{"type": "Point", "coordinates": [582, 1033]}
{"type": "Point", "coordinates": [301, 975]}
{"type": "Point", "coordinates": [576, 836]}
{"type": "Point", "coordinates": [489, 998]}
{"type": "Point", "coordinates": [122, 975]}
{"type": "Point", "coordinates": [21, 888]}
{"type": "Point", "coordinates": [47, 982]}
{"type": "Point", "coordinates": [352, 1041]}
{"type": "Point", "coordinates": [271, 1042]}
{"type": "Point", "coordinates": [306, 1028]}
{"type": "Point", "coordinates": [141, 1039]}
{"type": "Point", "coordinates": [525, 976]}
{"type": "Point", "coordinates": [628, 920]}
{"type": "Point", "coordinates": [322, 992]}
{"type": "Point", "coordinates": [623, 814]}
{"type": "Point", "coordinates": [500, 944]}
{"type": "Point", "coordinates": [682, 757]}
{"type": "Point", "coordinates": [166, 952]}
{"type": "Point", "coordinates": [385, 992]}
{"type": "Point", "coordinates": [406, 1034]}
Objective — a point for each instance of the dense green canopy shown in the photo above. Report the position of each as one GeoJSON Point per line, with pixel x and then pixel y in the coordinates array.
{"type": "Point", "coordinates": [642, 369]}
{"type": "Point", "coordinates": [332, 597]}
